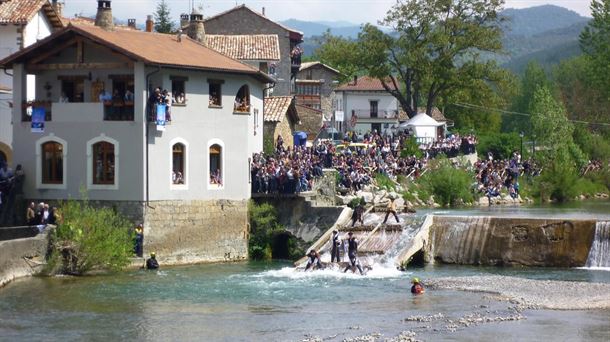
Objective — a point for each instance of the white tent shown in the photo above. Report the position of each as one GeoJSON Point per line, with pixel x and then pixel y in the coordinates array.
{"type": "Point", "coordinates": [423, 126]}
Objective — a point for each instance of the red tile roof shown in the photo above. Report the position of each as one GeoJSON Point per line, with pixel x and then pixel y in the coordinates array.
{"type": "Point", "coordinates": [259, 47]}
{"type": "Point", "coordinates": [22, 11]}
{"type": "Point", "coordinates": [276, 107]}
{"type": "Point", "coordinates": [149, 47]}
{"type": "Point", "coordinates": [363, 83]}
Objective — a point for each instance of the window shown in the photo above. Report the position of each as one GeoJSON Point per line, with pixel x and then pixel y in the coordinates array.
{"type": "Point", "coordinates": [242, 100]}
{"type": "Point", "coordinates": [52, 163]}
{"type": "Point", "coordinates": [374, 108]}
{"type": "Point", "coordinates": [103, 163]}
{"type": "Point", "coordinates": [72, 90]}
{"type": "Point", "coordinates": [215, 91]}
{"type": "Point", "coordinates": [308, 75]}
{"type": "Point", "coordinates": [216, 165]}
{"type": "Point", "coordinates": [120, 106]}
{"type": "Point", "coordinates": [179, 89]}
{"type": "Point", "coordinates": [178, 159]}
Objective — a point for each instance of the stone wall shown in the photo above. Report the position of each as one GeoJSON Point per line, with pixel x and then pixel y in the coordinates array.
{"type": "Point", "coordinates": [21, 257]}
{"type": "Point", "coordinates": [510, 241]}
{"type": "Point", "coordinates": [300, 218]}
{"type": "Point", "coordinates": [184, 232]}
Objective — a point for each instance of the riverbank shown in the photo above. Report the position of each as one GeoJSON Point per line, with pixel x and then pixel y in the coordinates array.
{"type": "Point", "coordinates": [533, 294]}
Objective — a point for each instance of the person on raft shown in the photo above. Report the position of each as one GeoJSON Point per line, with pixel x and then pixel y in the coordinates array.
{"type": "Point", "coordinates": [336, 246]}
{"type": "Point", "coordinates": [151, 263]}
{"type": "Point", "coordinates": [314, 260]}
{"type": "Point", "coordinates": [352, 252]}
{"type": "Point", "coordinates": [357, 214]}
{"type": "Point", "coordinates": [417, 287]}
{"type": "Point", "coordinates": [391, 210]}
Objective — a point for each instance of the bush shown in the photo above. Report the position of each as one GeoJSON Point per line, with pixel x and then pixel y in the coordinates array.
{"type": "Point", "coordinates": [88, 239]}
{"type": "Point", "coordinates": [449, 185]}
{"type": "Point", "coordinates": [587, 187]}
{"type": "Point", "coordinates": [502, 145]}
{"type": "Point", "coordinates": [384, 182]}
{"type": "Point", "coordinates": [558, 180]}
{"type": "Point", "coordinates": [264, 229]}
{"type": "Point", "coordinates": [411, 148]}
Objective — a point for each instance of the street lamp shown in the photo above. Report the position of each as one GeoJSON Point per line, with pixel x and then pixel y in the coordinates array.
{"type": "Point", "coordinates": [521, 135]}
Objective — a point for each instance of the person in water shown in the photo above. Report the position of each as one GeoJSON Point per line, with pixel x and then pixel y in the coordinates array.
{"type": "Point", "coordinates": [417, 287]}
{"type": "Point", "coordinates": [391, 210]}
{"type": "Point", "coordinates": [336, 246]}
{"type": "Point", "coordinates": [357, 214]}
{"type": "Point", "coordinates": [352, 252]}
{"type": "Point", "coordinates": [151, 263]}
{"type": "Point", "coordinates": [314, 260]}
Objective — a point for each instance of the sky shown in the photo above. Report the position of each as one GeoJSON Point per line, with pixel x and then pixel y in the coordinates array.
{"type": "Point", "coordinates": [354, 11]}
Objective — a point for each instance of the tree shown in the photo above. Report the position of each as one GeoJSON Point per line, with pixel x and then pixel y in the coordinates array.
{"type": "Point", "coordinates": [436, 49]}
{"type": "Point", "coordinates": [340, 53]}
{"type": "Point", "coordinates": [595, 42]}
{"type": "Point", "coordinates": [534, 78]}
{"type": "Point", "coordinates": [163, 21]}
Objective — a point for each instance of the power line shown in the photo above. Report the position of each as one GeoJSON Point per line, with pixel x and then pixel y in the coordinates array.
{"type": "Point", "coordinates": [473, 106]}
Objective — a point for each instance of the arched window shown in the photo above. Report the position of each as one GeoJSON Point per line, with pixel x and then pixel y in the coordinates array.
{"type": "Point", "coordinates": [178, 163]}
{"type": "Point", "coordinates": [3, 157]}
{"type": "Point", "coordinates": [216, 172]}
{"type": "Point", "coordinates": [242, 100]}
{"type": "Point", "coordinates": [103, 163]}
{"type": "Point", "coordinates": [52, 163]}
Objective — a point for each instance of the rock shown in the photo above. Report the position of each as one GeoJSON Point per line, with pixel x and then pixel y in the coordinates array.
{"type": "Point", "coordinates": [368, 196]}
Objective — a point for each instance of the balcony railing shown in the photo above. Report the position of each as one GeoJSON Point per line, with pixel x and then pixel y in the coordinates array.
{"type": "Point", "coordinates": [80, 111]}
{"type": "Point", "coordinates": [27, 108]}
{"type": "Point", "coordinates": [380, 114]}
{"type": "Point", "coordinates": [118, 111]}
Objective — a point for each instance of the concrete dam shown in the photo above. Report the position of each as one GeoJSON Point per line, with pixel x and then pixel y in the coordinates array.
{"type": "Point", "coordinates": [474, 240]}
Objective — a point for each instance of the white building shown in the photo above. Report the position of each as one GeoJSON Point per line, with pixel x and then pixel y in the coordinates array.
{"type": "Point", "coordinates": [22, 23]}
{"type": "Point", "coordinates": [188, 181]}
{"type": "Point", "coordinates": [424, 128]}
{"type": "Point", "coordinates": [364, 105]}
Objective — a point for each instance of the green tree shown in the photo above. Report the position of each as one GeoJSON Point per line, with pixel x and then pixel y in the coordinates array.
{"type": "Point", "coordinates": [449, 185]}
{"type": "Point", "coordinates": [163, 20]}
{"type": "Point", "coordinates": [340, 53]}
{"type": "Point", "coordinates": [533, 78]}
{"type": "Point", "coordinates": [437, 49]}
{"type": "Point", "coordinates": [89, 238]}
{"type": "Point", "coordinates": [595, 42]}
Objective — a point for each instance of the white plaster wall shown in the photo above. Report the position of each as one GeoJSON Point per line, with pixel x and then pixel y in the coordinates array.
{"type": "Point", "coordinates": [199, 126]}
{"type": "Point", "coordinates": [360, 102]}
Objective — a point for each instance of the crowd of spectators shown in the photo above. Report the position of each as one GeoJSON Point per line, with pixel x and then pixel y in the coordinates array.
{"type": "Point", "coordinates": [163, 98]}
{"type": "Point", "coordinates": [294, 169]}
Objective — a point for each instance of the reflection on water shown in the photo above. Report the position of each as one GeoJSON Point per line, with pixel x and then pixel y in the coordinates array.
{"type": "Point", "coordinates": [270, 302]}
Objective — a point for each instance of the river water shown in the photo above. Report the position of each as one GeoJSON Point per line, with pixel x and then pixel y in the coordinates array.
{"type": "Point", "coordinates": [273, 302]}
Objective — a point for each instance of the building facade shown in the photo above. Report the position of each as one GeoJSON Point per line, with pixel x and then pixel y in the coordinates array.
{"type": "Point", "coordinates": [363, 105]}
{"type": "Point", "coordinates": [184, 174]}
{"type": "Point", "coordinates": [242, 20]}
{"type": "Point", "coordinates": [22, 23]}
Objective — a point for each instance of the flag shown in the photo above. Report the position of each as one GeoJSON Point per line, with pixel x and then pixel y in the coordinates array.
{"type": "Point", "coordinates": [38, 114]}
{"type": "Point", "coordinates": [161, 117]}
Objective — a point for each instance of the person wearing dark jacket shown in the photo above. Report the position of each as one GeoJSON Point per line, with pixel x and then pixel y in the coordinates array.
{"type": "Point", "coordinates": [352, 252]}
{"type": "Point", "coordinates": [336, 244]}
{"type": "Point", "coordinates": [314, 260]}
{"type": "Point", "coordinates": [151, 263]}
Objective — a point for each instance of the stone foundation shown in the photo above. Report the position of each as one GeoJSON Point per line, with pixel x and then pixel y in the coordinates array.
{"type": "Point", "coordinates": [21, 257]}
{"type": "Point", "coordinates": [185, 232]}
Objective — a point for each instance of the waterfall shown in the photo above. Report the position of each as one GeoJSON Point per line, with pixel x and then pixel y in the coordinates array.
{"type": "Point", "coordinates": [599, 254]}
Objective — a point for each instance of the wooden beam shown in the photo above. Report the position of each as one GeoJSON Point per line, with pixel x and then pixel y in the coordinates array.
{"type": "Point", "coordinates": [80, 51]}
{"type": "Point", "coordinates": [54, 50]}
{"type": "Point", "coordinates": [78, 66]}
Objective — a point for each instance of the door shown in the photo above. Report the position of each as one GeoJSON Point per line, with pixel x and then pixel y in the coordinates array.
{"type": "Point", "coordinates": [374, 108]}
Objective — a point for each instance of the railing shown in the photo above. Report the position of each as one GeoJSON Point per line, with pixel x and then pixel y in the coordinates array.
{"type": "Point", "coordinates": [368, 114]}
{"type": "Point", "coordinates": [27, 108]}
{"type": "Point", "coordinates": [118, 111]}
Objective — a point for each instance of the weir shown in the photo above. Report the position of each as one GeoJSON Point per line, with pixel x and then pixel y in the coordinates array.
{"type": "Point", "coordinates": [599, 255]}
{"type": "Point", "coordinates": [473, 240]}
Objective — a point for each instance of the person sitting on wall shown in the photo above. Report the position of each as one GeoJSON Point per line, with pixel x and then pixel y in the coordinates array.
{"type": "Point", "coordinates": [417, 287]}
{"type": "Point", "coordinates": [314, 260]}
{"type": "Point", "coordinates": [151, 263]}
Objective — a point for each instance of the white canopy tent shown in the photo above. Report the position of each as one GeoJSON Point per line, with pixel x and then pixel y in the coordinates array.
{"type": "Point", "coordinates": [424, 127]}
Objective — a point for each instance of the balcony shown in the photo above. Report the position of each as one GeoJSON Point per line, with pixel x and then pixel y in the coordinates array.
{"type": "Point", "coordinates": [366, 115]}
{"type": "Point", "coordinates": [80, 111]}
{"type": "Point", "coordinates": [295, 60]}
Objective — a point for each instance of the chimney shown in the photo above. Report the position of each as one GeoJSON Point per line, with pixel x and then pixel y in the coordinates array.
{"type": "Point", "coordinates": [196, 30]}
{"type": "Point", "coordinates": [355, 80]}
{"type": "Point", "coordinates": [103, 18]}
{"type": "Point", "coordinates": [263, 11]}
{"type": "Point", "coordinates": [184, 20]}
{"type": "Point", "coordinates": [149, 23]}
{"type": "Point", "coordinates": [131, 23]}
{"type": "Point", "coordinates": [58, 7]}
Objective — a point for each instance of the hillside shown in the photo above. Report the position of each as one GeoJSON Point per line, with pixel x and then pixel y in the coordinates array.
{"type": "Point", "coordinates": [547, 34]}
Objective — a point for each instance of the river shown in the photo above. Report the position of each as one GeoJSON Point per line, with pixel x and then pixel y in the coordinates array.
{"type": "Point", "coordinates": [272, 302]}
